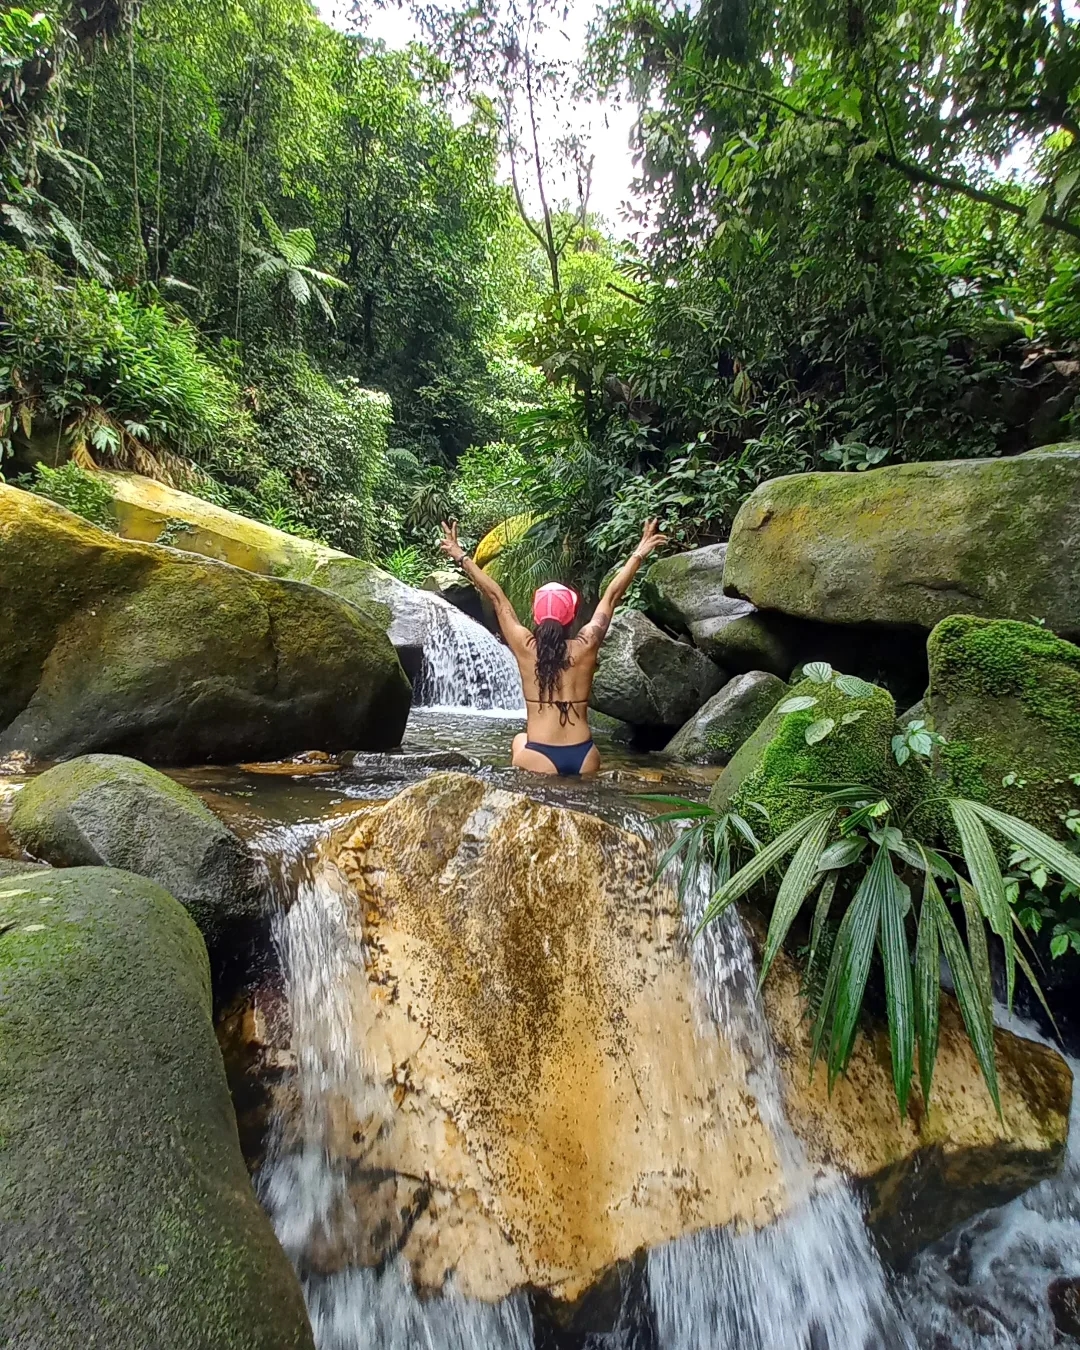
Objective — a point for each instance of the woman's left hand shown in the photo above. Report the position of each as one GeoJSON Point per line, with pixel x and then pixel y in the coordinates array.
{"type": "Point", "coordinates": [449, 542]}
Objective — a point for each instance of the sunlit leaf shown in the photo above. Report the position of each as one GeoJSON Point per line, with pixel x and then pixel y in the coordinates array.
{"type": "Point", "coordinates": [800, 876]}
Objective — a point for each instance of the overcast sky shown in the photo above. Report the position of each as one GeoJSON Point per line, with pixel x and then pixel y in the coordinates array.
{"type": "Point", "coordinates": [609, 127]}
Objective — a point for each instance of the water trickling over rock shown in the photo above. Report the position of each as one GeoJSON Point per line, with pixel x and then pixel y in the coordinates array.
{"type": "Point", "coordinates": [465, 666]}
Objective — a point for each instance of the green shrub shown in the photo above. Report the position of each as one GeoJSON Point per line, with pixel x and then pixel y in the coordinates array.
{"type": "Point", "coordinates": [129, 372]}
{"type": "Point", "coordinates": [488, 486]}
{"type": "Point", "coordinates": [319, 457]}
{"type": "Point", "coordinates": [75, 489]}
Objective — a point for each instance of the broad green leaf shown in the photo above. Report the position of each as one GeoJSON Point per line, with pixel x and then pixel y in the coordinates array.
{"type": "Point", "coordinates": [988, 882]}
{"type": "Point", "coordinates": [899, 996]}
{"type": "Point", "coordinates": [1059, 945]}
{"type": "Point", "coordinates": [821, 914]}
{"type": "Point", "coordinates": [817, 731]}
{"type": "Point", "coordinates": [749, 875]}
{"type": "Point", "coordinates": [850, 717]}
{"type": "Point", "coordinates": [977, 1016]}
{"type": "Point", "coordinates": [977, 947]}
{"type": "Point", "coordinates": [842, 853]}
{"type": "Point", "coordinates": [856, 953]}
{"type": "Point", "coordinates": [927, 987]}
{"type": "Point", "coordinates": [795, 887]}
{"type": "Point", "coordinates": [854, 687]}
{"type": "Point", "coordinates": [818, 672]}
{"type": "Point", "coordinates": [798, 704]}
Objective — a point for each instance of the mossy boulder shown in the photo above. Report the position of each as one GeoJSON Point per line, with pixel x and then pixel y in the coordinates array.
{"type": "Point", "coordinates": [113, 811]}
{"type": "Point", "coordinates": [777, 755]}
{"type": "Point", "coordinates": [914, 543]}
{"type": "Point", "coordinates": [111, 645]}
{"type": "Point", "coordinates": [648, 679]}
{"type": "Point", "coordinates": [1006, 697]}
{"type": "Point", "coordinates": [718, 729]}
{"type": "Point", "coordinates": [128, 1217]}
{"type": "Point", "coordinates": [686, 588]}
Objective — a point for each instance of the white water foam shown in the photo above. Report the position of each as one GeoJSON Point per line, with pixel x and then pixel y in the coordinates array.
{"type": "Point", "coordinates": [465, 666]}
{"type": "Point", "coordinates": [984, 1286]}
{"type": "Point", "coordinates": [810, 1281]}
{"type": "Point", "coordinates": [305, 1192]}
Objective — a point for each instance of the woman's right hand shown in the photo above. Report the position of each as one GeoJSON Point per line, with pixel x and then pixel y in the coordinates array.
{"type": "Point", "coordinates": [449, 542]}
{"type": "Point", "coordinates": [650, 538]}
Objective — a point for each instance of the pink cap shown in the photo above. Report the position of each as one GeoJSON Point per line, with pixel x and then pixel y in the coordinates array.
{"type": "Point", "coordinates": [555, 601]}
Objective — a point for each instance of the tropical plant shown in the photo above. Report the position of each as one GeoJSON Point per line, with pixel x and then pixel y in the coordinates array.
{"type": "Point", "coordinates": [877, 885]}
{"type": "Point", "coordinates": [74, 488]}
{"type": "Point", "coordinates": [287, 265]}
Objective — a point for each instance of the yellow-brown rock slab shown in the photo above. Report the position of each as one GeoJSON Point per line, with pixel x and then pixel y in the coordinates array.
{"type": "Point", "coordinates": [559, 1097]}
{"type": "Point", "coordinates": [931, 1169]}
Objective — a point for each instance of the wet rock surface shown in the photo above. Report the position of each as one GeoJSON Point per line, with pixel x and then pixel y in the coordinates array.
{"type": "Point", "coordinates": [647, 678]}
{"type": "Point", "coordinates": [173, 658]}
{"type": "Point", "coordinates": [128, 1216]}
{"type": "Point", "coordinates": [108, 810]}
{"type": "Point", "coordinates": [547, 1094]}
{"type": "Point", "coordinates": [718, 729]}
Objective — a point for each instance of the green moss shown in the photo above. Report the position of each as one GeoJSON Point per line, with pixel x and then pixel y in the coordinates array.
{"type": "Point", "coordinates": [1006, 696]}
{"type": "Point", "coordinates": [125, 1197]}
{"type": "Point", "coordinates": [915, 543]}
{"type": "Point", "coordinates": [777, 755]}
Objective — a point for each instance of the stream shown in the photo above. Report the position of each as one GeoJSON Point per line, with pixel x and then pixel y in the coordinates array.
{"type": "Point", "coordinates": [811, 1281]}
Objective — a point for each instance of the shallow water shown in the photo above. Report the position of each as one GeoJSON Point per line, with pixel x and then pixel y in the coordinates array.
{"type": "Point", "coordinates": [812, 1281]}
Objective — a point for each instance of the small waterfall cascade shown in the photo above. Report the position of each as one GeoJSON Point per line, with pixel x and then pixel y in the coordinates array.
{"type": "Point", "coordinates": [309, 1198]}
{"type": "Point", "coordinates": [465, 666]}
{"type": "Point", "coordinates": [810, 1281]}
{"type": "Point", "coordinates": [984, 1286]}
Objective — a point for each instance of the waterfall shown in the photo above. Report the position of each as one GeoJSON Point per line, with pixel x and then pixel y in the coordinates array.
{"type": "Point", "coordinates": [810, 1281]}
{"type": "Point", "coordinates": [465, 666]}
{"type": "Point", "coordinates": [984, 1286]}
{"type": "Point", "coordinates": [307, 1194]}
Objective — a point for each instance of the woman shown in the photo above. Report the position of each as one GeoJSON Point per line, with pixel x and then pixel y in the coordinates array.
{"type": "Point", "coordinates": [556, 670]}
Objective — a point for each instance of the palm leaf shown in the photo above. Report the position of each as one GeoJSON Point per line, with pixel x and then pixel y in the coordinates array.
{"type": "Point", "coordinates": [927, 984]}
{"type": "Point", "coordinates": [298, 287]}
{"type": "Point", "coordinates": [299, 247]}
{"type": "Point", "coordinates": [988, 882]}
{"type": "Point", "coordinates": [855, 954]}
{"type": "Point", "coordinates": [1056, 857]}
{"type": "Point", "coordinates": [749, 875]}
{"type": "Point", "coordinates": [899, 996]}
{"type": "Point", "coordinates": [969, 993]}
{"type": "Point", "coordinates": [977, 947]}
{"type": "Point", "coordinates": [821, 915]}
{"type": "Point", "coordinates": [795, 887]}
{"type": "Point", "coordinates": [273, 231]}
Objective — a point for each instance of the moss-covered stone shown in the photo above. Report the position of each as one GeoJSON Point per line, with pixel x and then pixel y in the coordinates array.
{"type": "Point", "coordinates": [128, 1217]}
{"type": "Point", "coordinates": [914, 543]}
{"type": "Point", "coordinates": [106, 644]}
{"type": "Point", "coordinates": [776, 757]}
{"type": "Point", "coordinates": [113, 811]}
{"type": "Point", "coordinates": [718, 729]}
{"type": "Point", "coordinates": [1006, 696]}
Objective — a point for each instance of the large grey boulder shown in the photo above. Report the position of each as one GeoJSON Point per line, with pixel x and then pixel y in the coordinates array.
{"type": "Point", "coordinates": [107, 644]}
{"type": "Point", "coordinates": [649, 679]}
{"type": "Point", "coordinates": [113, 811]}
{"type": "Point", "coordinates": [127, 1215]}
{"type": "Point", "coordinates": [914, 543]}
{"type": "Point", "coordinates": [686, 594]}
{"type": "Point", "coordinates": [717, 730]}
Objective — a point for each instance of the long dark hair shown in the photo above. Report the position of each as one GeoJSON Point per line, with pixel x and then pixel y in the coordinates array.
{"type": "Point", "coordinates": [552, 657]}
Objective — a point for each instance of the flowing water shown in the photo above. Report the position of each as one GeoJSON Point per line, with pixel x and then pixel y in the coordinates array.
{"type": "Point", "coordinates": [811, 1281]}
{"type": "Point", "coordinates": [465, 666]}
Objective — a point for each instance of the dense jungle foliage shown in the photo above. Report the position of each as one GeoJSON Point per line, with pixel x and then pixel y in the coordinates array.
{"type": "Point", "coordinates": [278, 265]}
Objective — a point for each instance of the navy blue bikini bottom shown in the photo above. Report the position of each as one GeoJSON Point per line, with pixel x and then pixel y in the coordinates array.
{"type": "Point", "coordinates": [567, 759]}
